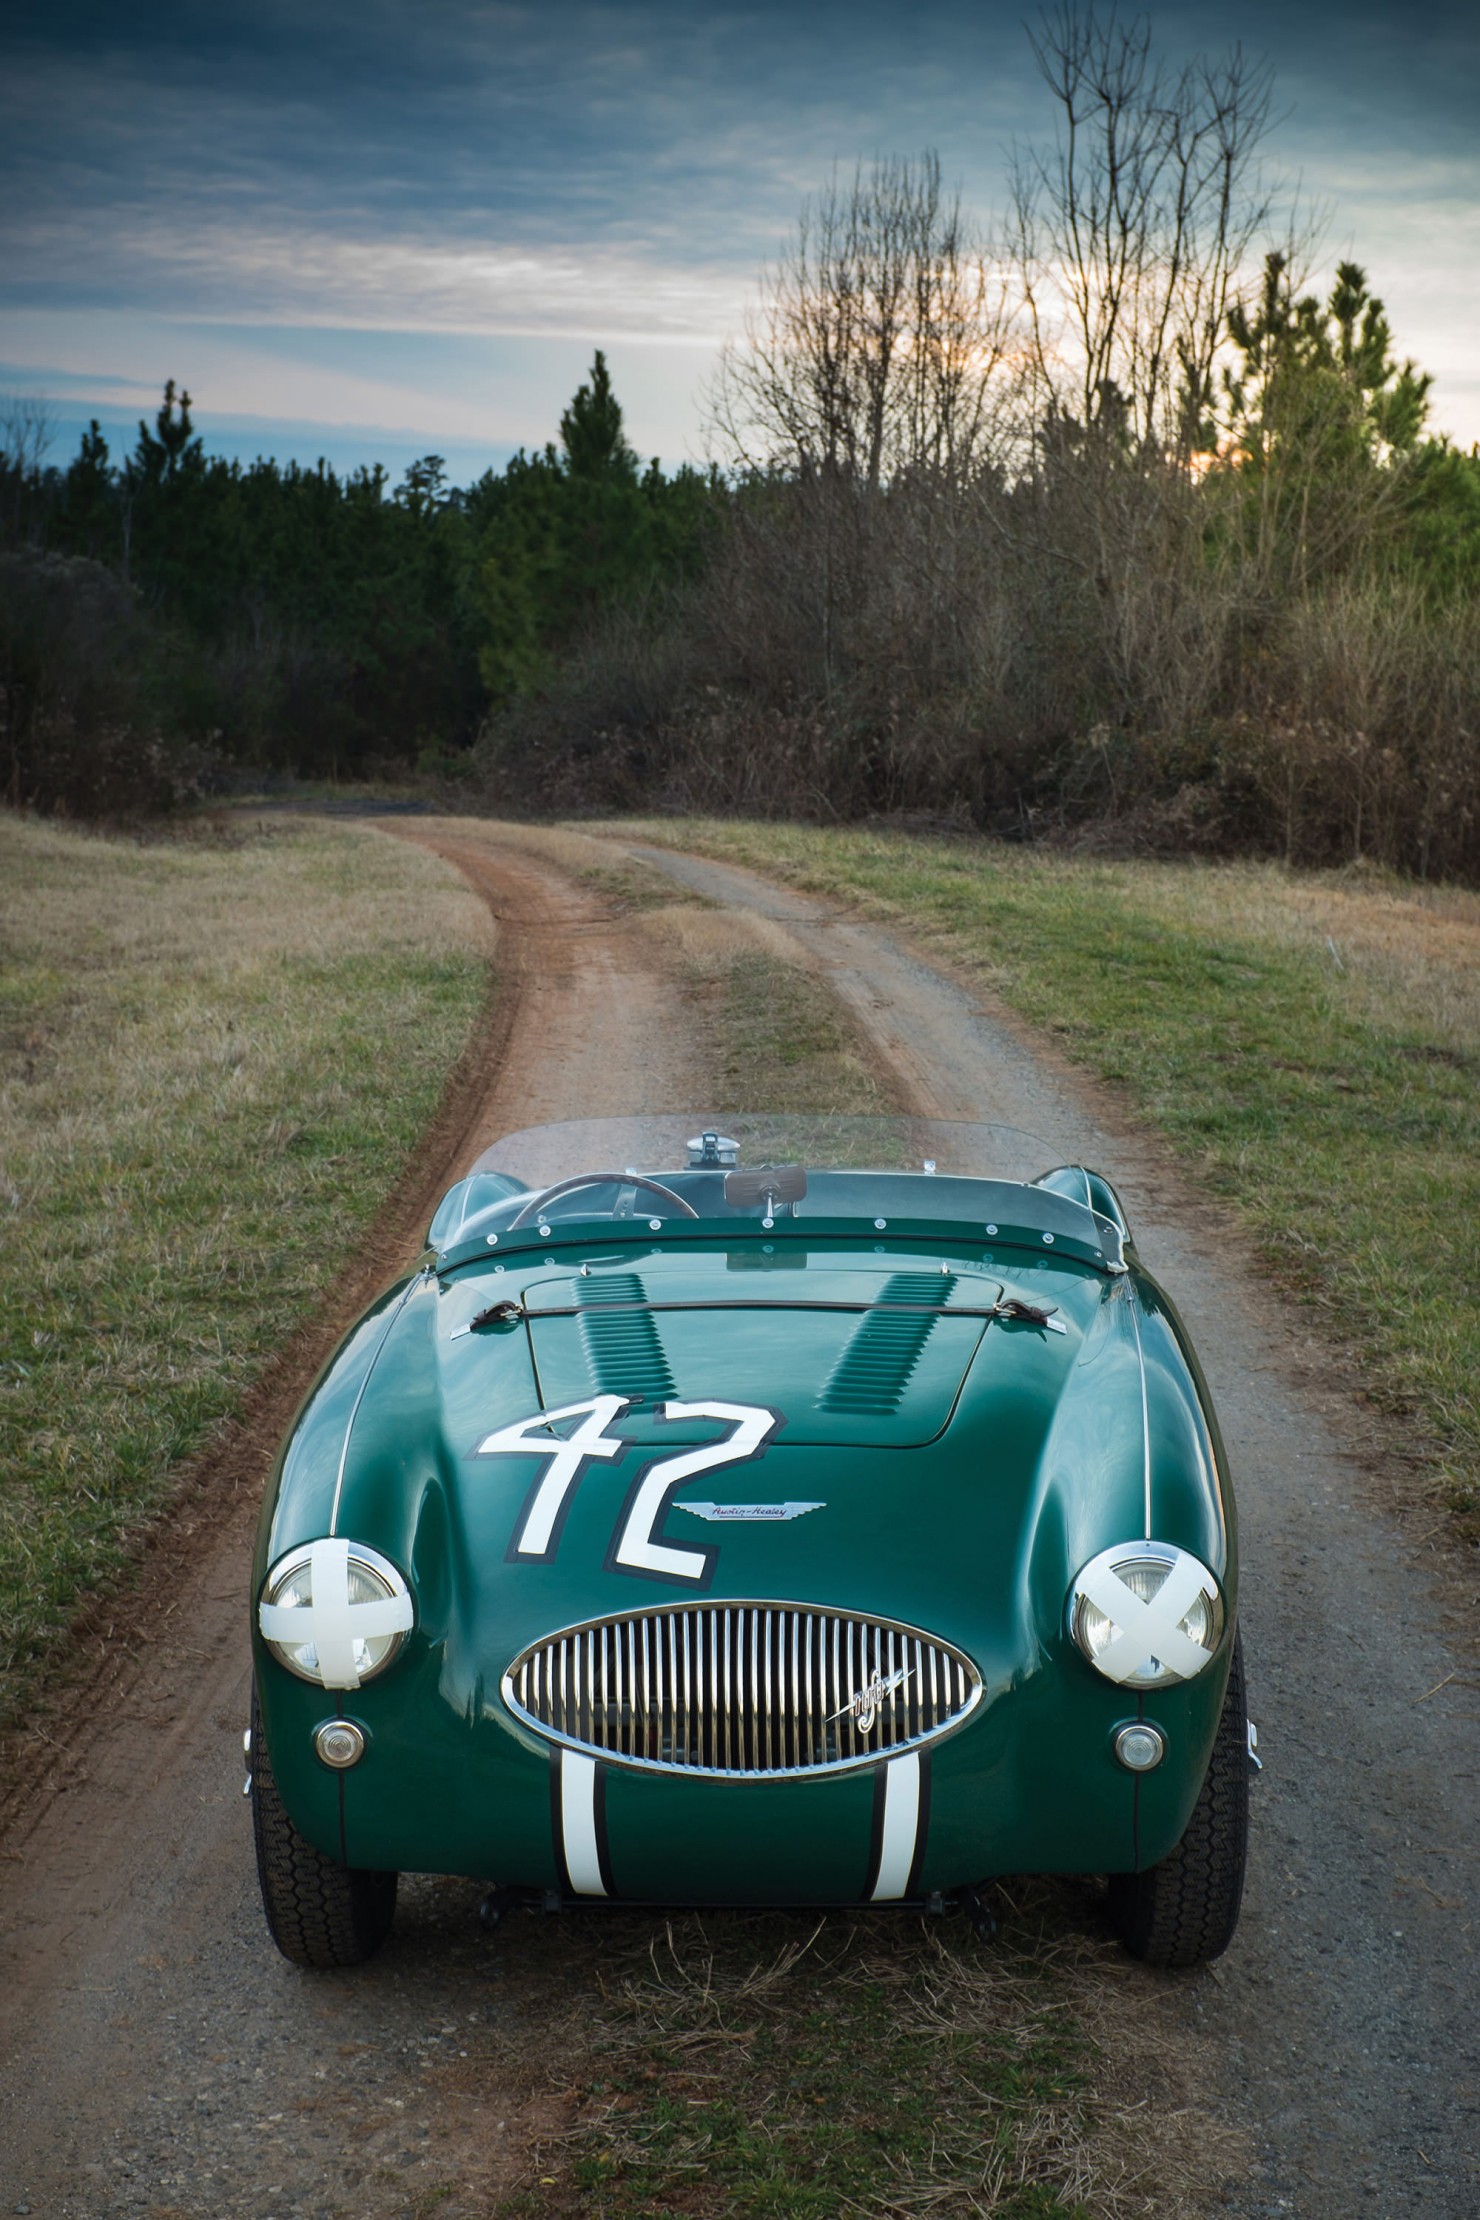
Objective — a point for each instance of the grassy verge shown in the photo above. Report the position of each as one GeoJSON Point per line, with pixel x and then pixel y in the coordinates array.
{"type": "Point", "coordinates": [214, 1057]}
{"type": "Point", "coordinates": [773, 1036]}
{"type": "Point", "coordinates": [1310, 1044]}
{"type": "Point", "coordinates": [796, 2074]}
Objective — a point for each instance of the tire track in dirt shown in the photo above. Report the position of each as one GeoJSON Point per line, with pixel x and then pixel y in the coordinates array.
{"type": "Point", "coordinates": [153, 2055]}
{"type": "Point", "coordinates": [1343, 2027]}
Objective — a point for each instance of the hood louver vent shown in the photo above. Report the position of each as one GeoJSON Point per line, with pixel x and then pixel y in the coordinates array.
{"type": "Point", "coordinates": [740, 1689]}
{"type": "Point", "coordinates": [874, 1369]}
{"type": "Point", "coordinates": [622, 1348]}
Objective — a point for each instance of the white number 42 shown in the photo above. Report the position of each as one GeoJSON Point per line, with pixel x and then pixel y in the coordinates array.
{"type": "Point", "coordinates": [634, 1546]}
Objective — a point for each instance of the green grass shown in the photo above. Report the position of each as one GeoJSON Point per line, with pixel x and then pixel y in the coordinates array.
{"type": "Point", "coordinates": [1309, 1045]}
{"type": "Point", "coordinates": [784, 1045]}
{"type": "Point", "coordinates": [761, 2068]}
{"type": "Point", "coordinates": [215, 1055]}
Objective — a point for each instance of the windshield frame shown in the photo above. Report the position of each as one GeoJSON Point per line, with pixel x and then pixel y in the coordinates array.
{"type": "Point", "coordinates": [898, 1209]}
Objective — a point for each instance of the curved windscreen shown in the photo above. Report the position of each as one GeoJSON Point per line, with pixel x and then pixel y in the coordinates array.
{"type": "Point", "coordinates": [539, 1155]}
{"type": "Point", "coordinates": [675, 1173]}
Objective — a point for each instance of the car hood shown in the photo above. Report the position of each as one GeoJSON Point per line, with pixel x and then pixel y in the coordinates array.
{"type": "Point", "coordinates": [852, 1354]}
{"type": "Point", "coordinates": [918, 1455]}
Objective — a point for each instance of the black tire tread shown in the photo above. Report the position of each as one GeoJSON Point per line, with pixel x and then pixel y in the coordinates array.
{"type": "Point", "coordinates": [1183, 1911]}
{"type": "Point", "coordinates": [321, 1914]}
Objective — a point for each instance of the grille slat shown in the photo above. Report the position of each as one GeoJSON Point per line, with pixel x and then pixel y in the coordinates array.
{"type": "Point", "coordinates": [742, 1689]}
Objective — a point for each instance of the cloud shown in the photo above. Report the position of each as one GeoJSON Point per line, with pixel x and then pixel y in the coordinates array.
{"type": "Point", "coordinates": [221, 267]}
{"type": "Point", "coordinates": [622, 123]}
{"type": "Point", "coordinates": [615, 172]}
{"type": "Point", "coordinates": [382, 392]}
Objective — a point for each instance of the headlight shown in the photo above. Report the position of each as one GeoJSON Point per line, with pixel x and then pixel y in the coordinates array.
{"type": "Point", "coordinates": [1146, 1614]}
{"type": "Point", "coordinates": [334, 1612]}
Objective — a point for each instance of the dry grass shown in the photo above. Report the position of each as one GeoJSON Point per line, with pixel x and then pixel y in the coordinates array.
{"type": "Point", "coordinates": [772, 1033]}
{"type": "Point", "coordinates": [263, 891]}
{"type": "Point", "coordinates": [707, 941]}
{"type": "Point", "coordinates": [575, 852]}
{"type": "Point", "coordinates": [758, 2065]}
{"type": "Point", "coordinates": [628, 883]}
{"type": "Point", "coordinates": [1401, 953]}
{"type": "Point", "coordinates": [213, 1060]}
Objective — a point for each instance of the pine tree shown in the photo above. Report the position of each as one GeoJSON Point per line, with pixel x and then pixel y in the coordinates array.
{"type": "Point", "coordinates": [172, 446]}
{"type": "Point", "coordinates": [591, 432]}
{"type": "Point", "coordinates": [1321, 376]}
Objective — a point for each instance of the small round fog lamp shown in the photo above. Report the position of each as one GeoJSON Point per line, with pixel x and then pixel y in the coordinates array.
{"type": "Point", "coordinates": [339, 1743]}
{"type": "Point", "coordinates": [1140, 1747]}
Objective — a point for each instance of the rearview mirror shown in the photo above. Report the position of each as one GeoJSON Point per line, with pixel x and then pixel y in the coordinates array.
{"type": "Point", "coordinates": [769, 1184]}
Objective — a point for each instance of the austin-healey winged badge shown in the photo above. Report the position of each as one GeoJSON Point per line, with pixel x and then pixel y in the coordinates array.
{"type": "Point", "coordinates": [754, 1511]}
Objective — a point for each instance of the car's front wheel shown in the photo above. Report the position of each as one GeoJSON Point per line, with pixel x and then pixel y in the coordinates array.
{"type": "Point", "coordinates": [1183, 1911]}
{"type": "Point", "coordinates": [321, 1914]}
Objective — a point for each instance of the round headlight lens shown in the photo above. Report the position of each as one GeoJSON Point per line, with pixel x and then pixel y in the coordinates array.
{"type": "Point", "coordinates": [335, 1612]}
{"type": "Point", "coordinates": [1146, 1614]}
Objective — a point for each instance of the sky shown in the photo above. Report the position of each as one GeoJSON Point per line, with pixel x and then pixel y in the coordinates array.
{"type": "Point", "coordinates": [370, 230]}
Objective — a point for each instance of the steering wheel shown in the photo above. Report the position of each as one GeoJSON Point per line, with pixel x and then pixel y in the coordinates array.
{"type": "Point", "coordinates": [535, 1207]}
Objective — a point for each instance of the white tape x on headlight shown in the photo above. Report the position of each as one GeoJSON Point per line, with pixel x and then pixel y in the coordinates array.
{"type": "Point", "coordinates": [331, 1622]}
{"type": "Point", "coordinates": [1149, 1631]}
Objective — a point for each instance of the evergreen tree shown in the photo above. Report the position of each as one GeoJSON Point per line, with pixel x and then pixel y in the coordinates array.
{"type": "Point", "coordinates": [591, 433]}
{"type": "Point", "coordinates": [570, 531]}
{"type": "Point", "coordinates": [172, 445]}
{"type": "Point", "coordinates": [301, 618]}
{"type": "Point", "coordinates": [88, 508]}
{"type": "Point", "coordinates": [1321, 423]}
{"type": "Point", "coordinates": [1321, 377]}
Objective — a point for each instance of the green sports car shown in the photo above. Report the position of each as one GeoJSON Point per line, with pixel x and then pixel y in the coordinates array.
{"type": "Point", "coordinates": [755, 1511]}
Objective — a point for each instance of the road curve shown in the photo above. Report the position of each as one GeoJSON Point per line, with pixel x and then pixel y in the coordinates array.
{"type": "Point", "coordinates": [156, 2056]}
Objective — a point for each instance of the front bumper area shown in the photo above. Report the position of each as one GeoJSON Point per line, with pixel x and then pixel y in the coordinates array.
{"type": "Point", "coordinates": [1029, 1783]}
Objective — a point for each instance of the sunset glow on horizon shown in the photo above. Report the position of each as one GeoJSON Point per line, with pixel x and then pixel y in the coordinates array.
{"type": "Point", "coordinates": [377, 234]}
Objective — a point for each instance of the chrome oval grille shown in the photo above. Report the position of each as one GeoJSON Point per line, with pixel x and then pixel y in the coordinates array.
{"type": "Point", "coordinates": [742, 1689]}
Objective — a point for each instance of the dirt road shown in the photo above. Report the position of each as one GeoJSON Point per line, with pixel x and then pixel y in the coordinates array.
{"type": "Point", "coordinates": [158, 2058]}
{"type": "Point", "coordinates": [1344, 2025]}
{"type": "Point", "coordinates": [153, 2057]}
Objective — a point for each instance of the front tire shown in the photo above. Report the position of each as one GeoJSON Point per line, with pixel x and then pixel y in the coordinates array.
{"type": "Point", "coordinates": [1183, 1910]}
{"type": "Point", "coordinates": [320, 1913]}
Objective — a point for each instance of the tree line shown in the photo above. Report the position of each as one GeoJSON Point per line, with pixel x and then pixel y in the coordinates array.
{"type": "Point", "coordinates": [1105, 525]}
{"type": "Point", "coordinates": [1103, 522]}
{"type": "Point", "coordinates": [170, 615]}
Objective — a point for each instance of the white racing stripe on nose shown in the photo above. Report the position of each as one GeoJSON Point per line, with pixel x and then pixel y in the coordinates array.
{"type": "Point", "coordinates": [901, 1826]}
{"type": "Point", "coordinates": [578, 1823]}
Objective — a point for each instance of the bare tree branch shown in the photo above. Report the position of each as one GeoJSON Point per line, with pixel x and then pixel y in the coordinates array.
{"type": "Point", "coordinates": [876, 350]}
{"type": "Point", "coordinates": [1135, 230]}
